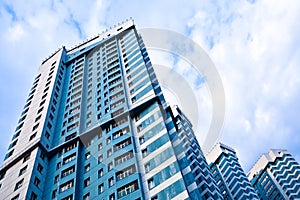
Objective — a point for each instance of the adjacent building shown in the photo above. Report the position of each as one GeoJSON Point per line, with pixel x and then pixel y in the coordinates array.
{"type": "Point", "coordinates": [95, 125]}
{"type": "Point", "coordinates": [194, 167]}
{"type": "Point", "coordinates": [276, 175]}
{"type": "Point", "coordinates": [228, 174]}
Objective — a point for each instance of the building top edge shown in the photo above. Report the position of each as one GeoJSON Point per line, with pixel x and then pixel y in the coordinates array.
{"type": "Point", "coordinates": [264, 160]}
{"type": "Point", "coordinates": [114, 30]}
{"type": "Point", "coordinates": [104, 35]}
{"type": "Point", "coordinates": [217, 150]}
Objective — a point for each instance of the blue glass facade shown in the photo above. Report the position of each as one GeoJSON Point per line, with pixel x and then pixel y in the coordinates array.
{"type": "Point", "coordinates": [96, 126]}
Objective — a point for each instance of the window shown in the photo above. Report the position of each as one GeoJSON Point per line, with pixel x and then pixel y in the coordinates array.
{"type": "Point", "coordinates": [58, 165]}
{"type": "Point", "coordinates": [142, 140]}
{"type": "Point", "coordinates": [144, 152]}
{"type": "Point", "coordinates": [110, 181]}
{"type": "Point", "coordinates": [51, 116]}
{"type": "Point", "coordinates": [41, 109]}
{"type": "Point", "coordinates": [147, 167]}
{"type": "Point", "coordinates": [56, 179]}
{"type": "Point", "coordinates": [35, 127]}
{"type": "Point", "coordinates": [110, 166]}
{"type": "Point", "coordinates": [52, 109]}
{"type": "Point", "coordinates": [109, 153]}
{"type": "Point", "coordinates": [15, 197]}
{"type": "Point", "coordinates": [26, 157]}
{"type": "Point", "coordinates": [69, 137]}
{"type": "Point", "coordinates": [19, 126]}
{"type": "Point", "coordinates": [42, 156]}
{"type": "Point", "coordinates": [16, 135]}
{"type": "Point", "coordinates": [120, 132]}
{"type": "Point", "coordinates": [69, 158]}
{"type": "Point", "coordinates": [69, 148]}
{"type": "Point", "coordinates": [87, 182]}
{"type": "Point", "coordinates": [49, 125]}
{"type": "Point", "coordinates": [33, 196]}
{"type": "Point", "coordinates": [54, 194]}
{"type": "Point", "coordinates": [125, 172]}
{"type": "Point", "coordinates": [32, 136]}
{"type": "Point", "coordinates": [123, 158]}
{"type": "Point", "coordinates": [19, 184]}
{"type": "Point", "coordinates": [66, 185]}
{"type": "Point", "coordinates": [108, 140]}
{"type": "Point", "coordinates": [36, 182]}
{"type": "Point", "coordinates": [100, 188]}
{"type": "Point", "coordinates": [38, 118]}
{"type": "Point", "coordinates": [87, 168]}
{"type": "Point", "coordinates": [100, 173]}
{"type": "Point", "coordinates": [2, 175]}
{"type": "Point", "coordinates": [112, 197]}
{"type": "Point", "coordinates": [154, 198]}
{"type": "Point", "coordinates": [127, 189]}
{"type": "Point", "coordinates": [151, 183]}
{"type": "Point", "coordinates": [47, 135]}
{"type": "Point", "coordinates": [122, 144]}
{"type": "Point", "coordinates": [9, 154]}
{"type": "Point", "coordinates": [23, 170]}
{"type": "Point", "coordinates": [100, 146]}
{"type": "Point", "coordinates": [86, 196]}
{"type": "Point", "coordinates": [13, 144]}
{"type": "Point", "coordinates": [119, 122]}
{"type": "Point", "coordinates": [40, 168]}
{"type": "Point", "coordinates": [100, 159]}
{"type": "Point", "coordinates": [87, 155]}
{"type": "Point", "coordinates": [68, 171]}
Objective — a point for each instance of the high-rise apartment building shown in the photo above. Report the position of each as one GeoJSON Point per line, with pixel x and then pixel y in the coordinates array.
{"type": "Point", "coordinates": [96, 126]}
{"type": "Point", "coordinates": [228, 174]}
{"type": "Point", "coordinates": [194, 167]}
{"type": "Point", "coordinates": [276, 176]}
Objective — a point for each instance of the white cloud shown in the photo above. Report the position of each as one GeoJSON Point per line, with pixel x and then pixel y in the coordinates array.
{"type": "Point", "coordinates": [15, 33]}
{"type": "Point", "coordinates": [256, 56]}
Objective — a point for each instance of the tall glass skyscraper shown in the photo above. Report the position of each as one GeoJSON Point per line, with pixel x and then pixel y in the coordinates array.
{"type": "Point", "coordinates": [96, 126]}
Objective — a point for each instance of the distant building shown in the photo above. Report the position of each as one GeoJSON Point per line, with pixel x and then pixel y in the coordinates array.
{"type": "Point", "coordinates": [276, 175]}
{"type": "Point", "coordinates": [228, 174]}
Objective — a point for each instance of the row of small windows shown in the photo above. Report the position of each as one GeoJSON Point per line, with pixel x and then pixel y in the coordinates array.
{"type": "Point", "coordinates": [36, 181]}
{"type": "Point", "coordinates": [122, 191]}
{"type": "Point", "coordinates": [67, 171]}
{"type": "Point", "coordinates": [90, 92]}
{"type": "Point", "coordinates": [28, 102]}
{"type": "Point", "coordinates": [26, 107]}
{"type": "Point", "coordinates": [127, 189]}
{"type": "Point", "coordinates": [74, 95]}
{"type": "Point", "coordinates": [133, 58]}
{"type": "Point", "coordinates": [115, 75]}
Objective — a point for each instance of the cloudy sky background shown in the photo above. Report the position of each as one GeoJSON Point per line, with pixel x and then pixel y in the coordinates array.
{"type": "Point", "coordinates": [255, 46]}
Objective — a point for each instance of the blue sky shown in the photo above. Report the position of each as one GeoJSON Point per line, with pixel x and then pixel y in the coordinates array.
{"type": "Point", "coordinates": [255, 46]}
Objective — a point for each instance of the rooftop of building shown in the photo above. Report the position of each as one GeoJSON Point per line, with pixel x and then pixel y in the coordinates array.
{"type": "Point", "coordinates": [217, 151]}
{"type": "Point", "coordinates": [264, 160]}
{"type": "Point", "coordinates": [108, 33]}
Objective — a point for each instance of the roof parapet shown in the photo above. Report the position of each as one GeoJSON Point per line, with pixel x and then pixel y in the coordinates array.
{"type": "Point", "coordinates": [104, 34]}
